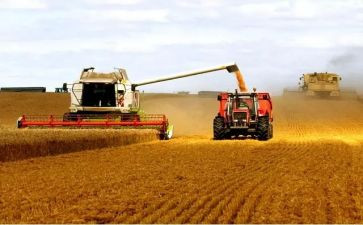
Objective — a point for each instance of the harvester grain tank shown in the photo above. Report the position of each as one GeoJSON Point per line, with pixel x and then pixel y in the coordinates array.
{"type": "Point", "coordinates": [111, 100]}
{"type": "Point", "coordinates": [320, 84]}
{"type": "Point", "coordinates": [244, 114]}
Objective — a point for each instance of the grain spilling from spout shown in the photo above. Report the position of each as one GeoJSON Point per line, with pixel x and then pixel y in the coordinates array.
{"type": "Point", "coordinates": [241, 82]}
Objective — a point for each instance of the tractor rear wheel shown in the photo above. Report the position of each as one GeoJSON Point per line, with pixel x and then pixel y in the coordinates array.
{"type": "Point", "coordinates": [263, 128]}
{"type": "Point", "coordinates": [219, 128]}
{"type": "Point", "coordinates": [271, 131]}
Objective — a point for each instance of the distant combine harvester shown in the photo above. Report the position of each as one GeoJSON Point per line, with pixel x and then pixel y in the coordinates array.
{"type": "Point", "coordinates": [23, 89]}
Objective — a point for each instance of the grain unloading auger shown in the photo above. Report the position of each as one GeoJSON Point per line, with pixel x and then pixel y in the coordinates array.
{"type": "Point", "coordinates": [110, 100]}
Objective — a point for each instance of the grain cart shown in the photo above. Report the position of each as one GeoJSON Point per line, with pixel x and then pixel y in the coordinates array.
{"type": "Point", "coordinates": [244, 114]}
{"type": "Point", "coordinates": [320, 84]}
{"type": "Point", "coordinates": [110, 100]}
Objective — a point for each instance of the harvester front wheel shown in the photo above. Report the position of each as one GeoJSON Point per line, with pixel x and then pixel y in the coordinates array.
{"type": "Point", "coordinates": [264, 128]}
{"type": "Point", "coordinates": [69, 117]}
{"type": "Point", "coordinates": [219, 130]}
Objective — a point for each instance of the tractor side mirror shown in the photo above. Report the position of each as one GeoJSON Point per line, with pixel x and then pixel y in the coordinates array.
{"type": "Point", "coordinates": [340, 78]}
{"type": "Point", "coordinates": [219, 98]}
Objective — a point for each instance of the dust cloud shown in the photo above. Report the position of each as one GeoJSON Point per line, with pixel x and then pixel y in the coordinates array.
{"type": "Point", "coordinates": [190, 114]}
{"type": "Point", "coordinates": [349, 66]}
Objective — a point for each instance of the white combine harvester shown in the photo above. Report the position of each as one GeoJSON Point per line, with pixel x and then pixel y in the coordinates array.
{"type": "Point", "coordinates": [110, 100]}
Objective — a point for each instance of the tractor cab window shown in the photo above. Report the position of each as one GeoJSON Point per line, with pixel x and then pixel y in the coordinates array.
{"type": "Point", "coordinates": [242, 104]}
{"type": "Point", "coordinates": [98, 95]}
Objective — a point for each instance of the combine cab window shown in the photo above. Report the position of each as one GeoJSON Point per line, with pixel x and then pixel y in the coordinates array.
{"type": "Point", "coordinates": [98, 95]}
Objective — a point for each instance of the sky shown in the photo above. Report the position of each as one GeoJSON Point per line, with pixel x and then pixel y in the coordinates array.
{"type": "Point", "coordinates": [49, 42]}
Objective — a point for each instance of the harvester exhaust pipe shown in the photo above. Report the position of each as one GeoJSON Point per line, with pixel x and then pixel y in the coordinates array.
{"type": "Point", "coordinates": [230, 67]}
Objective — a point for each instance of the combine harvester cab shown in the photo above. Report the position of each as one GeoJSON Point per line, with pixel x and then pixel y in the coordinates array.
{"type": "Point", "coordinates": [244, 114]}
{"type": "Point", "coordinates": [110, 100]}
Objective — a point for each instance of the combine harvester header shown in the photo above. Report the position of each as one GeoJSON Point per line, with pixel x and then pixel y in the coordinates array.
{"type": "Point", "coordinates": [110, 100]}
{"type": "Point", "coordinates": [95, 121]}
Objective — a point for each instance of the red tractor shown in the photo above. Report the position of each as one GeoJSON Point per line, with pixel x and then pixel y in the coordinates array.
{"type": "Point", "coordinates": [244, 114]}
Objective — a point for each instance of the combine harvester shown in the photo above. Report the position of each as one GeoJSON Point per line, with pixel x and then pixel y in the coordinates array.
{"type": "Point", "coordinates": [110, 100]}
{"type": "Point", "coordinates": [317, 84]}
{"type": "Point", "coordinates": [320, 84]}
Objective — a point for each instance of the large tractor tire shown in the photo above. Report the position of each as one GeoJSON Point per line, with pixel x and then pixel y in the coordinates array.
{"type": "Point", "coordinates": [219, 129]}
{"type": "Point", "coordinates": [263, 128]}
{"type": "Point", "coordinates": [271, 131]}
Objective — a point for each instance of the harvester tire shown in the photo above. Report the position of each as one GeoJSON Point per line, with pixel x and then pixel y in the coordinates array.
{"type": "Point", "coordinates": [219, 130]}
{"type": "Point", "coordinates": [164, 137]}
{"type": "Point", "coordinates": [168, 134]}
{"type": "Point", "coordinates": [68, 117]}
{"type": "Point", "coordinates": [263, 128]}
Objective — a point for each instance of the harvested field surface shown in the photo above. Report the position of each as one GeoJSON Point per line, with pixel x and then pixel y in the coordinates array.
{"type": "Point", "coordinates": [310, 172]}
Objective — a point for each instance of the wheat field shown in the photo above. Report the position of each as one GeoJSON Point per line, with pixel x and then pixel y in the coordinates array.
{"type": "Point", "coordinates": [18, 144]}
{"type": "Point", "coordinates": [28, 143]}
{"type": "Point", "coordinates": [310, 172]}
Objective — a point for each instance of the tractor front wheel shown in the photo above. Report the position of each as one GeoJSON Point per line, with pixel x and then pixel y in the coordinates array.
{"type": "Point", "coordinates": [219, 130]}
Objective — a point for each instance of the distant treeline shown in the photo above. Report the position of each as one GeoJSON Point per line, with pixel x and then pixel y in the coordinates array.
{"type": "Point", "coordinates": [209, 93]}
{"type": "Point", "coordinates": [23, 89]}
